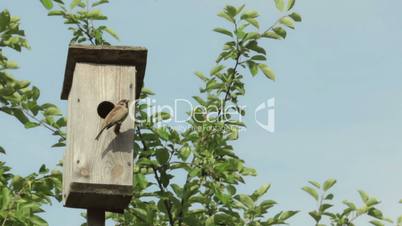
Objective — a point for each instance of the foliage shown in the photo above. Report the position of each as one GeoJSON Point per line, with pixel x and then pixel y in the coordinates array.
{"type": "Point", "coordinates": [81, 16]}
{"type": "Point", "coordinates": [347, 217]}
{"type": "Point", "coordinates": [203, 152]}
{"type": "Point", "coordinates": [17, 97]}
{"type": "Point", "coordinates": [22, 197]}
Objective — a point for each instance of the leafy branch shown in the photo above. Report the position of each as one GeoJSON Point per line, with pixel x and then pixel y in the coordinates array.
{"type": "Point", "coordinates": [82, 15]}
{"type": "Point", "coordinates": [350, 214]}
{"type": "Point", "coordinates": [17, 97]}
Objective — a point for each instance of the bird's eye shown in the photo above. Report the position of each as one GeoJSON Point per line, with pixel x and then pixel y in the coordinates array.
{"type": "Point", "coordinates": [104, 108]}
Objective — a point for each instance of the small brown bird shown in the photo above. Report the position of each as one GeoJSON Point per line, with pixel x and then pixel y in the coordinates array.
{"type": "Point", "coordinates": [115, 117]}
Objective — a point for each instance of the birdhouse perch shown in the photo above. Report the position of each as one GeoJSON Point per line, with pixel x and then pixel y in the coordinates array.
{"type": "Point", "coordinates": [98, 174]}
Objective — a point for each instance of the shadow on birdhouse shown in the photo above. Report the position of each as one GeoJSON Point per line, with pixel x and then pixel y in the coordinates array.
{"type": "Point", "coordinates": [98, 174]}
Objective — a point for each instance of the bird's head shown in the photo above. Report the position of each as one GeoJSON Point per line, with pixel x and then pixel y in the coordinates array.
{"type": "Point", "coordinates": [123, 102]}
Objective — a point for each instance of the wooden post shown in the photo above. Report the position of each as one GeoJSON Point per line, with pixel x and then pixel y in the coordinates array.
{"type": "Point", "coordinates": [95, 217]}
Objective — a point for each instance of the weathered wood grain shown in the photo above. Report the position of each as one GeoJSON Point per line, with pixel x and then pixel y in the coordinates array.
{"type": "Point", "coordinates": [98, 174]}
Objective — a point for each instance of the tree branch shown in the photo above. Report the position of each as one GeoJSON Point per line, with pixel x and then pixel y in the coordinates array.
{"type": "Point", "coordinates": [167, 204]}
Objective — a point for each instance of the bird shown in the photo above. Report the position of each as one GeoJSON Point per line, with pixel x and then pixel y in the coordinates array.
{"type": "Point", "coordinates": [115, 117]}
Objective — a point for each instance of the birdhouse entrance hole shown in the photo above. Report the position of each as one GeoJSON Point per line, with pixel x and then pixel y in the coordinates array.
{"type": "Point", "coordinates": [104, 108]}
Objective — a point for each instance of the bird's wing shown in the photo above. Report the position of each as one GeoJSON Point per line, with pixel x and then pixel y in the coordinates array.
{"type": "Point", "coordinates": [119, 113]}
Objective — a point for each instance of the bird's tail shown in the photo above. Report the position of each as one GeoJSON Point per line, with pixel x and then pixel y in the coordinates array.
{"type": "Point", "coordinates": [100, 132]}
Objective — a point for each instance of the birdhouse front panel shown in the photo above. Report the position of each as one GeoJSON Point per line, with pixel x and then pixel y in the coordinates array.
{"type": "Point", "coordinates": [99, 168]}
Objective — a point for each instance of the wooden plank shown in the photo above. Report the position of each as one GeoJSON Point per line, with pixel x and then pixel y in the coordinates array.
{"type": "Point", "coordinates": [94, 168]}
{"type": "Point", "coordinates": [113, 55]}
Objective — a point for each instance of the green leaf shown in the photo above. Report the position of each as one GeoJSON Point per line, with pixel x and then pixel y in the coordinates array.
{"type": "Point", "coordinates": [48, 4]}
{"type": "Point", "coordinates": [99, 3]}
{"type": "Point", "coordinates": [184, 152]}
{"type": "Point", "coordinates": [217, 69]}
{"type": "Point", "coordinates": [372, 202]}
{"type": "Point", "coordinates": [30, 125]}
{"type": "Point", "coordinates": [59, 144]}
{"type": "Point", "coordinates": [140, 212]}
{"type": "Point", "coordinates": [280, 31]}
{"type": "Point", "coordinates": [296, 17]}
{"type": "Point", "coordinates": [259, 57]}
{"type": "Point", "coordinates": [2, 151]}
{"type": "Point", "coordinates": [37, 221]}
{"type": "Point", "coordinates": [260, 192]}
{"type": "Point", "coordinates": [226, 16]}
{"type": "Point", "coordinates": [22, 84]}
{"type": "Point", "coordinates": [288, 21]}
{"type": "Point", "coordinates": [253, 22]}
{"type": "Point", "coordinates": [376, 213]}
{"type": "Point", "coordinates": [240, 8]}
{"type": "Point", "coordinates": [267, 71]}
{"type": "Point", "coordinates": [291, 3]}
{"type": "Point", "coordinates": [270, 34]}
{"type": "Point", "coordinates": [200, 100]}
{"type": "Point", "coordinates": [20, 116]}
{"type": "Point", "coordinates": [6, 198]}
{"type": "Point", "coordinates": [350, 205]}
{"type": "Point", "coordinates": [177, 189]}
{"type": "Point", "coordinates": [315, 184]}
{"type": "Point", "coordinates": [4, 20]}
{"type": "Point", "coordinates": [316, 216]}
{"type": "Point", "coordinates": [62, 122]}
{"type": "Point", "coordinates": [52, 111]}
{"type": "Point", "coordinates": [364, 196]}
{"type": "Point", "coordinates": [112, 33]}
{"type": "Point", "coordinates": [328, 184]}
{"type": "Point", "coordinates": [312, 192]}
{"type": "Point", "coordinates": [234, 133]}
{"type": "Point", "coordinates": [253, 45]}
{"type": "Point", "coordinates": [376, 223]}
{"type": "Point", "coordinates": [7, 91]}
{"type": "Point", "coordinates": [96, 15]}
{"type": "Point", "coordinates": [43, 169]}
{"type": "Point", "coordinates": [231, 11]}
{"type": "Point", "coordinates": [201, 76]}
{"type": "Point", "coordinates": [280, 5]}
{"type": "Point", "coordinates": [287, 214]}
{"type": "Point", "coordinates": [253, 67]}
{"type": "Point", "coordinates": [223, 31]}
{"type": "Point", "coordinates": [249, 14]}
{"type": "Point", "coordinates": [74, 3]}
{"type": "Point", "coordinates": [140, 180]}
{"type": "Point", "coordinates": [324, 207]}
{"type": "Point", "coordinates": [163, 133]}
{"type": "Point", "coordinates": [246, 200]}
{"type": "Point", "coordinates": [329, 197]}
{"type": "Point", "coordinates": [162, 156]}
{"type": "Point", "coordinates": [35, 93]}
{"type": "Point", "coordinates": [11, 65]}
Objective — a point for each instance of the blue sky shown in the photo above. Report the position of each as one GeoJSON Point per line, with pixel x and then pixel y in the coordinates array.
{"type": "Point", "coordinates": [338, 92]}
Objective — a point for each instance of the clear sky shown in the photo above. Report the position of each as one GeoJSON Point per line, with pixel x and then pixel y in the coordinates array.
{"type": "Point", "coordinates": [338, 92]}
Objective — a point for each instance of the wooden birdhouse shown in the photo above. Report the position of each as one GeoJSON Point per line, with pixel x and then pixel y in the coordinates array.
{"type": "Point", "coordinates": [98, 174]}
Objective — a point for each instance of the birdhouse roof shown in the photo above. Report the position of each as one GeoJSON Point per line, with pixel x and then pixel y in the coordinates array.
{"type": "Point", "coordinates": [114, 55]}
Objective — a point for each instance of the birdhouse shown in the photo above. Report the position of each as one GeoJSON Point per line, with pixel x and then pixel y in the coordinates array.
{"type": "Point", "coordinates": [98, 174]}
